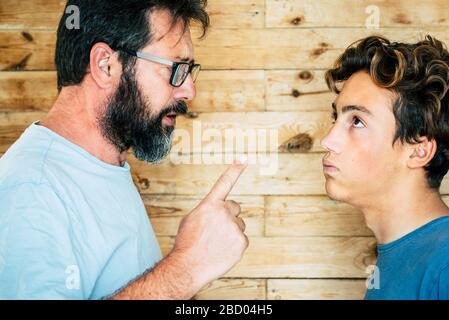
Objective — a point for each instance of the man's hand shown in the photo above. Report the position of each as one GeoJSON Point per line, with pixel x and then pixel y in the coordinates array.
{"type": "Point", "coordinates": [210, 241]}
{"type": "Point", "coordinates": [211, 238]}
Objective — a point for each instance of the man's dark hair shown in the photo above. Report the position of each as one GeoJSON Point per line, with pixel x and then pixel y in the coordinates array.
{"type": "Point", "coordinates": [419, 75]}
{"type": "Point", "coordinates": [119, 23]}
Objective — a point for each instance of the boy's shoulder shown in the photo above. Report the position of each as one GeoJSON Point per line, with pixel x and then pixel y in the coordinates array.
{"type": "Point", "coordinates": [433, 243]}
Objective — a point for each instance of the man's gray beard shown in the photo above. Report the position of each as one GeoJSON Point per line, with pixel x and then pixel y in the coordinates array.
{"type": "Point", "coordinates": [159, 152]}
{"type": "Point", "coordinates": [126, 122]}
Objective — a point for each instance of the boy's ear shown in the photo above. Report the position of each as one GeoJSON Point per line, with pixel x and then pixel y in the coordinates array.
{"type": "Point", "coordinates": [421, 153]}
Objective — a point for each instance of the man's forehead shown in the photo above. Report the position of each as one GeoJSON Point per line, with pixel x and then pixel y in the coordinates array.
{"type": "Point", "coordinates": [175, 37]}
{"type": "Point", "coordinates": [163, 27]}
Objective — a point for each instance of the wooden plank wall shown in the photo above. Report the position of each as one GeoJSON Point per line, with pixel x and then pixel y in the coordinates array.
{"type": "Point", "coordinates": [263, 62]}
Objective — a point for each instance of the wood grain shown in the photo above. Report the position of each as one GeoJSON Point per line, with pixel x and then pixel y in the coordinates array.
{"type": "Point", "coordinates": [323, 13]}
{"type": "Point", "coordinates": [45, 14]}
{"type": "Point", "coordinates": [301, 257]}
{"type": "Point", "coordinates": [255, 49]}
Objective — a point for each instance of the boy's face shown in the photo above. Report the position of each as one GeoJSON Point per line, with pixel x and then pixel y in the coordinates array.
{"type": "Point", "coordinates": [361, 161]}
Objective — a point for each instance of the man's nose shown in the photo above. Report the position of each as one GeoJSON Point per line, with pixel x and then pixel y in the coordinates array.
{"type": "Point", "coordinates": [186, 91]}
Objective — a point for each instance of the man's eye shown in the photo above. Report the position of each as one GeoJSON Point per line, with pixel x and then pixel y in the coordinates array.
{"type": "Point", "coordinates": [357, 123]}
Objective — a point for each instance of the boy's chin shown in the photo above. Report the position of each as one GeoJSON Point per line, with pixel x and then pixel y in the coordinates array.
{"type": "Point", "coordinates": [333, 191]}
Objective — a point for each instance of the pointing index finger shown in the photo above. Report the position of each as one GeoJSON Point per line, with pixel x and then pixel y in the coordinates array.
{"type": "Point", "coordinates": [226, 182]}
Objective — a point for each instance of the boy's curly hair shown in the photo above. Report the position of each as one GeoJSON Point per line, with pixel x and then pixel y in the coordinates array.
{"type": "Point", "coordinates": [419, 75]}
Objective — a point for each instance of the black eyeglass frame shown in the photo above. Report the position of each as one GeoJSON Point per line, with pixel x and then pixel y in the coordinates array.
{"type": "Point", "coordinates": [175, 65]}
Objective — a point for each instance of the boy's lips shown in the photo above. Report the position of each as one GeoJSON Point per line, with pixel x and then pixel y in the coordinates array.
{"type": "Point", "coordinates": [329, 167]}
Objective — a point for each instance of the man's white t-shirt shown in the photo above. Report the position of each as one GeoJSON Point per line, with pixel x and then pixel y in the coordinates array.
{"type": "Point", "coordinates": [71, 225]}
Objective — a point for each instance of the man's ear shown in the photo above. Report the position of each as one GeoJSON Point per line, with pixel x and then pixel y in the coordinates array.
{"type": "Point", "coordinates": [422, 153]}
{"type": "Point", "coordinates": [104, 66]}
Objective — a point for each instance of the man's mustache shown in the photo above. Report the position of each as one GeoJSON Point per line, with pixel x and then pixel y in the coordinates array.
{"type": "Point", "coordinates": [180, 108]}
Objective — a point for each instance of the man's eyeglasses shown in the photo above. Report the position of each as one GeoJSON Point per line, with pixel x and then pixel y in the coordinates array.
{"type": "Point", "coordinates": [180, 70]}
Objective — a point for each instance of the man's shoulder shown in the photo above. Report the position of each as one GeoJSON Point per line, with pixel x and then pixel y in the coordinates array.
{"type": "Point", "coordinates": [28, 175]}
{"type": "Point", "coordinates": [24, 162]}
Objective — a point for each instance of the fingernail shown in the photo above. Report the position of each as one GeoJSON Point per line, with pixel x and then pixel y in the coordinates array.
{"type": "Point", "coordinates": [242, 159]}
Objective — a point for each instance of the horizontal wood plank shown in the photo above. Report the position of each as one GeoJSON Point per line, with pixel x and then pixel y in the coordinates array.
{"type": "Point", "coordinates": [315, 289]}
{"type": "Point", "coordinates": [220, 132]}
{"type": "Point", "coordinates": [297, 90]}
{"type": "Point", "coordinates": [39, 14]}
{"type": "Point", "coordinates": [350, 13]}
{"type": "Point", "coordinates": [288, 174]}
{"type": "Point", "coordinates": [254, 49]}
{"type": "Point", "coordinates": [218, 90]}
{"type": "Point", "coordinates": [45, 14]}
{"type": "Point", "coordinates": [34, 14]}
{"type": "Point", "coordinates": [229, 91]}
{"type": "Point", "coordinates": [293, 174]}
{"type": "Point", "coordinates": [301, 257]}
{"type": "Point", "coordinates": [236, 13]}
{"type": "Point", "coordinates": [312, 216]}
{"type": "Point", "coordinates": [272, 216]}
{"type": "Point", "coordinates": [167, 211]}
{"type": "Point", "coordinates": [27, 91]}
{"type": "Point", "coordinates": [233, 289]}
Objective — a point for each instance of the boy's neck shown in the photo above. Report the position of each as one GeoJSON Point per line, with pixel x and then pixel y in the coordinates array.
{"type": "Point", "coordinates": [402, 211]}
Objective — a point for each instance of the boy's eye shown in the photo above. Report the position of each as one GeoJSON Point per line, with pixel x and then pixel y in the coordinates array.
{"type": "Point", "coordinates": [334, 117]}
{"type": "Point", "coordinates": [358, 123]}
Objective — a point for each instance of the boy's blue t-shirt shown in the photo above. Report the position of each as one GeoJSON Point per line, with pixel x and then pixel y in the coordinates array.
{"type": "Point", "coordinates": [415, 266]}
{"type": "Point", "coordinates": [71, 225]}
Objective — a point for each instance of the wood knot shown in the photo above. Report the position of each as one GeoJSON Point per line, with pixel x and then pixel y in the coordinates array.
{"type": "Point", "coordinates": [305, 75]}
{"type": "Point", "coordinates": [296, 93]}
{"type": "Point", "coordinates": [297, 21]}
{"type": "Point", "coordinates": [27, 36]}
{"type": "Point", "coordinates": [144, 183]}
{"type": "Point", "coordinates": [323, 47]}
{"type": "Point", "coordinates": [21, 65]}
{"type": "Point", "coordinates": [401, 19]}
{"type": "Point", "coordinates": [192, 115]}
{"type": "Point", "coordinates": [302, 142]}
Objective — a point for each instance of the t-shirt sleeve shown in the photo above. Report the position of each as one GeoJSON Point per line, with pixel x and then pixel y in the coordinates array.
{"type": "Point", "coordinates": [37, 259]}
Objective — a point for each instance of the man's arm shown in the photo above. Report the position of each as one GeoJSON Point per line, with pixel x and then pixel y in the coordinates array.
{"type": "Point", "coordinates": [210, 241]}
{"type": "Point", "coordinates": [170, 279]}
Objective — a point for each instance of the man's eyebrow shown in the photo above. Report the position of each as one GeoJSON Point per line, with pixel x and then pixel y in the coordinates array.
{"type": "Point", "coordinates": [185, 59]}
{"type": "Point", "coordinates": [352, 108]}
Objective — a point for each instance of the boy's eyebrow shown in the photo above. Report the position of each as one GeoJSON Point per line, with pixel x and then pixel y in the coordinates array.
{"type": "Point", "coordinates": [352, 108]}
